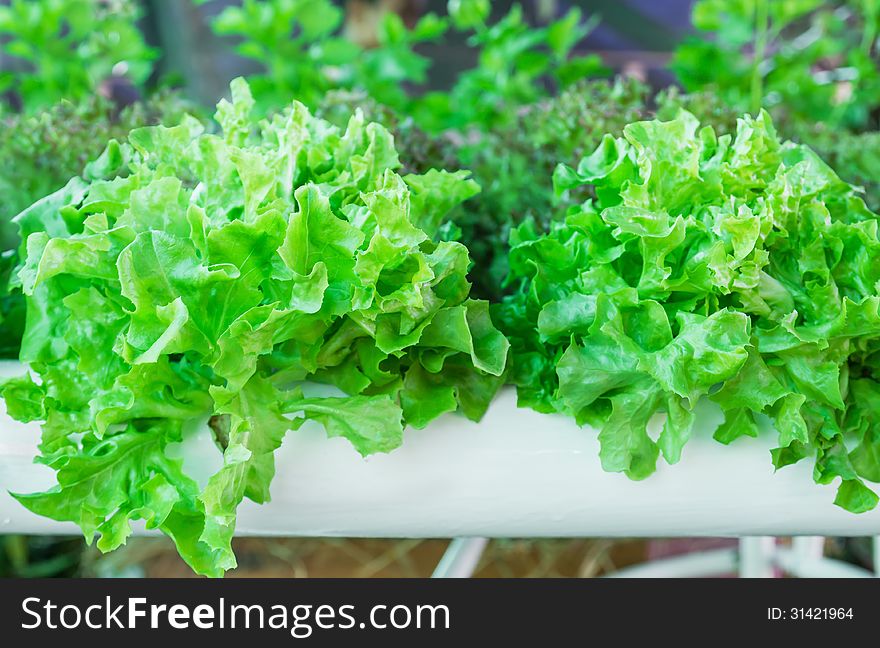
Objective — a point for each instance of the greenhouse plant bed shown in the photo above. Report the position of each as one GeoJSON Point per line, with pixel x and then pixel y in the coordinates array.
{"type": "Point", "coordinates": [517, 473]}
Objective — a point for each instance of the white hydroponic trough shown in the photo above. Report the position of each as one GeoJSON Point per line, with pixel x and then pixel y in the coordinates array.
{"type": "Point", "coordinates": [516, 474]}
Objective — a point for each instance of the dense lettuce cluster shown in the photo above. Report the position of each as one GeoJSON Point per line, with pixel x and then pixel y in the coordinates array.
{"type": "Point", "coordinates": [737, 268]}
{"type": "Point", "coordinates": [209, 279]}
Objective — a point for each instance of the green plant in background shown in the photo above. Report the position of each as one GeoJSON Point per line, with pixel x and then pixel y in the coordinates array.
{"type": "Point", "coordinates": [12, 312]}
{"type": "Point", "coordinates": [384, 72]}
{"type": "Point", "coordinates": [40, 153]}
{"type": "Point", "coordinates": [705, 105]}
{"type": "Point", "coordinates": [12, 308]}
{"type": "Point", "coordinates": [804, 60]}
{"type": "Point", "coordinates": [515, 160]}
{"type": "Point", "coordinates": [68, 48]}
{"type": "Point", "coordinates": [512, 126]}
{"type": "Point", "coordinates": [517, 64]}
{"type": "Point", "coordinates": [740, 269]}
{"type": "Point", "coordinates": [469, 14]}
{"type": "Point", "coordinates": [855, 156]}
{"type": "Point", "coordinates": [210, 279]}
{"type": "Point", "coordinates": [305, 54]}
{"type": "Point", "coordinates": [813, 64]}
{"type": "Point", "coordinates": [39, 556]}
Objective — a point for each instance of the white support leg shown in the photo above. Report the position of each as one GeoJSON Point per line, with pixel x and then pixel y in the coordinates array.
{"type": "Point", "coordinates": [808, 549]}
{"type": "Point", "coordinates": [877, 556]}
{"type": "Point", "coordinates": [805, 554]}
{"type": "Point", "coordinates": [756, 557]}
{"type": "Point", "coordinates": [461, 558]}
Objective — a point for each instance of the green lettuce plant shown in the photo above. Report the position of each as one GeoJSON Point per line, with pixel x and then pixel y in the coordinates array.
{"type": "Point", "coordinates": [214, 278]}
{"type": "Point", "coordinates": [734, 268]}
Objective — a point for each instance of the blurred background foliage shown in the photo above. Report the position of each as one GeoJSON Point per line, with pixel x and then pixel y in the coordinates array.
{"type": "Point", "coordinates": [505, 89]}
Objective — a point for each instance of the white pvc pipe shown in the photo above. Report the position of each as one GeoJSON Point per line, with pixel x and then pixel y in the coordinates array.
{"type": "Point", "coordinates": [517, 474]}
{"type": "Point", "coordinates": [808, 548]}
{"type": "Point", "coordinates": [756, 557]}
{"type": "Point", "coordinates": [876, 555]}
